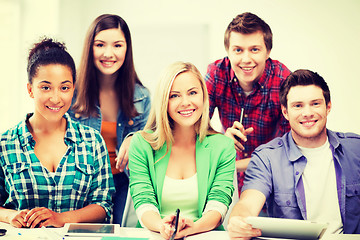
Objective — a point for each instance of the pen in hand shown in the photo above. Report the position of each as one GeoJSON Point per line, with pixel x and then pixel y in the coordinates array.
{"type": "Point", "coordinates": [241, 115]}
{"type": "Point", "coordinates": [175, 223]}
{"type": "Point", "coordinates": [240, 121]}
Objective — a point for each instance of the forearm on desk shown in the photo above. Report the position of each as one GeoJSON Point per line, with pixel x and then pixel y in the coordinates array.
{"type": "Point", "coordinates": [90, 213]}
{"type": "Point", "coordinates": [5, 214]}
{"type": "Point", "coordinates": [250, 203]}
{"type": "Point", "coordinates": [207, 222]}
{"type": "Point", "coordinates": [241, 165]}
{"type": "Point", "coordinates": [152, 220]}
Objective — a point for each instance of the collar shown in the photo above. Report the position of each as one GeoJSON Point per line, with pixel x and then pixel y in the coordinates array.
{"type": "Point", "coordinates": [26, 138]}
{"type": "Point", "coordinates": [294, 152]}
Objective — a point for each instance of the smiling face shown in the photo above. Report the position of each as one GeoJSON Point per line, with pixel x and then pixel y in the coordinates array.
{"type": "Point", "coordinates": [52, 89]}
{"type": "Point", "coordinates": [109, 50]}
{"type": "Point", "coordinates": [247, 54]}
{"type": "Point", "coordinates": [307, 114]}
{"type": "Point", "coordinates": [186, 100]}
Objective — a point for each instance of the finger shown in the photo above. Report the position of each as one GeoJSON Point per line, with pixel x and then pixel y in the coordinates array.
{"type": "Point", "coordinates": [238, 125]}
{"type": "Point", "coordinates": [168, 219]}
{"type": "Point", "coordinates": [237, 132]}
{"type": "Point", "coordinates": [37, 217]}
{"type": "Point", "coordinates": [239, 147]}
{"type": "Point", "coordinates": [248, 131]}
{"type": "Point", "coordinates": [29, 213]}
{"type": "Point", "coordinates": [238, 228]}
{"type": "Point", "coordinates": [45, 223]}
{"type": "Point", "coordinates": [16, 223]}
{"type": "Point", "coordinates": [124, 161]}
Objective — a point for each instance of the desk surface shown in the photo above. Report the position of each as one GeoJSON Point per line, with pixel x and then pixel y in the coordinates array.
{"type": "Point", "coordinates": [53, 234]}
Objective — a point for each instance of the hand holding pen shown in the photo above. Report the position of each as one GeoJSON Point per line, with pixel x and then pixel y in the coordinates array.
{"type": "Point", "coordinates": [238, 133]}
{"type": "Point", "coordinates": [175, 224]}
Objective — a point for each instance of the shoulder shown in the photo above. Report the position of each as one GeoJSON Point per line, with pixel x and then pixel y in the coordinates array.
{"type": "Point", "coordinates": [14, 132]}
{"type": "Point", "coordinates": [137, 137]}
{"type": "Point", "coordinates": [82, 133]}
{"type": "Point", "coordinates": [141, 92]}
{"type": "Point", "coordinates": [139, 146]}
{"type": "Point", "coordinates": [8, 140]}
{"type": "Point", "coordinates": [219, 141]}
{"type": "Point", "coordinates": [348, 135]}
{"type": "Point", "coordinates": [219, 65]}
{"type": "Point", "coordinates": [348, 138]}
{"type": "Point", "coordinates": [277, 69]}
{"type": "Point", "coordinates": [275, 144]}
{"type": "Point", "coordinates": [139, 141]}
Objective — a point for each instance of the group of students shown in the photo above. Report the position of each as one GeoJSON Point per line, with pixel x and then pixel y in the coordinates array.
{"type": "Point", "coordinates": [95, 134]}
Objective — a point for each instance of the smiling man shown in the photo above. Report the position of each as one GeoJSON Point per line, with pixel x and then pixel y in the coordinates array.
{"type": "Point", "coordinates": [309, 173]}
{"type": "Point", "coordinates": [247, 83]}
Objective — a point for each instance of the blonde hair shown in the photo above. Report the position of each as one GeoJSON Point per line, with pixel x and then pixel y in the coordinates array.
{"type": "Point", "coordinates": [158, 128]}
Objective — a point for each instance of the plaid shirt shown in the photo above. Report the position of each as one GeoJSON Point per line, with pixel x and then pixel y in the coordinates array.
{"type": "Point", "coordinates": [262, 109]}
{"type": "Point", "coordinates": [83, 176]}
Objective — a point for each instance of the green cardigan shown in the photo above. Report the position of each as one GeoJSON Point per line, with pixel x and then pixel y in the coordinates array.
{"type": "Point", "coordinates": [215, 165]}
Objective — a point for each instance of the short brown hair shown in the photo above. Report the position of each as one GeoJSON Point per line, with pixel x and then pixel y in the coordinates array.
{"type": "Point", "coordinates": [247, 23]}
{"type": "Point", "coordinates": [303, 77]}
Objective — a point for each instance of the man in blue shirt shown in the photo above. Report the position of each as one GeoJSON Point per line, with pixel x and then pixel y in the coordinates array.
{"type": "Point", "coordinates": [309, 173]}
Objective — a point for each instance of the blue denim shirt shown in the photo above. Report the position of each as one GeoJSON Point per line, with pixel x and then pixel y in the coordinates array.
{"type": "Point", "coordinates": [276, 168]}
{"type": "Point", "coordinates": [124, 125]}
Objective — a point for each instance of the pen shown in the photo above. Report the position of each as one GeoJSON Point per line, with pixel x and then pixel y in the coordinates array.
{"type": "Point", "coordinates": [241, 115]}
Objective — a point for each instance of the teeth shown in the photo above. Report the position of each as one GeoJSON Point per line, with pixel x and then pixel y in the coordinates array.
{"type": "Point", "coordinates": [247, 69]}
{"type": "Point", "coordinates": [53, 108]}
{"type": "Point", "coordinates": [108, 63]}
{"type": "Point", "coordinates": [308, 123]}
{"type": "Point", "coordinates": [186, 112]}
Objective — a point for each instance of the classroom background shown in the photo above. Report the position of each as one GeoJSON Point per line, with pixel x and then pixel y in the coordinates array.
{"type": "Point", "coordinates": [321, 35]}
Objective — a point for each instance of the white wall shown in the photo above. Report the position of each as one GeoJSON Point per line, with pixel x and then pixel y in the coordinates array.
{"type": "Point", "coordinates": [322, 36]}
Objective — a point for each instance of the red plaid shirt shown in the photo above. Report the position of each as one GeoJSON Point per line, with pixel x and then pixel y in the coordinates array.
{"type": "Point", "coordinates": [262, 109]}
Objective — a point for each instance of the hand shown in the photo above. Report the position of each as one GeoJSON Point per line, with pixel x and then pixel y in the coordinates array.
{"type": "Point", "coordinates": [186, 229]}
{"type": "Point", "coordinates": [237, 132]}
{"type": "Point", "coordinates": [16, 219]}
{"type": "Point", "coordinates": [167, 228]}
{"type": "Point", "coordinates": [239, 229]}
{"type": "Point", "coordinates": [38, 217]}
{"type": "Point", "coordinates": [123, 155]}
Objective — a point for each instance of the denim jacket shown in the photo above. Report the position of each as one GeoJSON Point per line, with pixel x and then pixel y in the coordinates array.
{"type": "Point", "coordinates": [124, 125]}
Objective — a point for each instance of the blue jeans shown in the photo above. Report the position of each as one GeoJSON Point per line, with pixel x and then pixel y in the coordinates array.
{"type": "Point", "coordinates": [121, 182]}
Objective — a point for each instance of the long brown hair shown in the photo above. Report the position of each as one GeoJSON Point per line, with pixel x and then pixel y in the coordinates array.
{"type": "Point", "coordinates": [88, 85]}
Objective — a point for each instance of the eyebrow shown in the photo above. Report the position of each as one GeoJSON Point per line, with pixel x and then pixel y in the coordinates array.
{"type": "Point", "coordinates": [99, 40]}
{"type": "Point", "coordinates": [187, 90]}
{"type": "Point", "coordinates": [258, 46]}
{"type": "Point", "coordinates": [314, 100]}
{"type": "Point", "coordinates": [47, 82]}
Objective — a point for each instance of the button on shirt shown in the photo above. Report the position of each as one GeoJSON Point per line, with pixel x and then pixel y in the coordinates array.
{"type": "Point", "coordinates": [276, 170]}
{"type": "Point", "coordinates": [83, 176]}
{"type": "Point", "coordinates": [262, 109]}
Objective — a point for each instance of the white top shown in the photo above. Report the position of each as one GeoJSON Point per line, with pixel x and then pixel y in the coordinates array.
{"type": "Point", "coordinates": [182, 194]}
{"type": "Point", "coordinates": [319, 178]}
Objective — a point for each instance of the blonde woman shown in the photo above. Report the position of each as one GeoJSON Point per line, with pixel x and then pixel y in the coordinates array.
{"type": "Point", "coordinates": [179, 161]}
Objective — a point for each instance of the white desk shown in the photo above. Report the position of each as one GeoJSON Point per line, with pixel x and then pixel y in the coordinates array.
{"type": "Point", "coordinates": [56, 233]}
{"type": "Point", "coordinates": [50, 234]}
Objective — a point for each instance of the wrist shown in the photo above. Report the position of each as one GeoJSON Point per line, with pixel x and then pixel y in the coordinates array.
{"type": "Point", "coordinates": [64, 218]}
{"type": "Point", "coordinates": [10, 215]}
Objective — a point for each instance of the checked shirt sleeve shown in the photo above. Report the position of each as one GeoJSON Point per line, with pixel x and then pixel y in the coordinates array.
{"type": "Point", "coordinates": [102, 186]}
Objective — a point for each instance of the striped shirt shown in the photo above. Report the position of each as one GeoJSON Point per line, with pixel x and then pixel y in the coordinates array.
{"type": "Point", "coordinates": [83, 176]}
